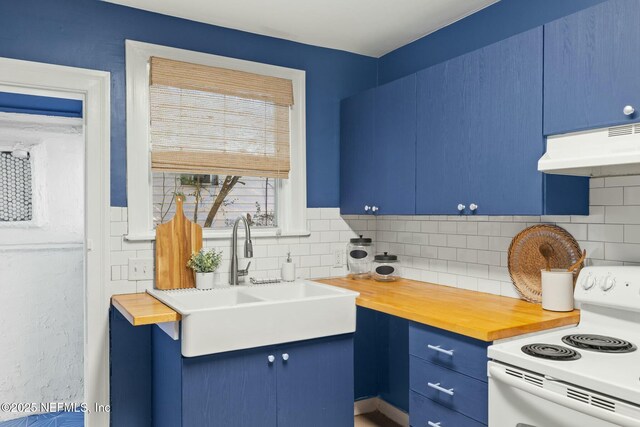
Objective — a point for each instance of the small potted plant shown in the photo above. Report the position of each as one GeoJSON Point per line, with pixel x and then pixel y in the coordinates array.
{"type": "Point", "coordinates": [204, 264]}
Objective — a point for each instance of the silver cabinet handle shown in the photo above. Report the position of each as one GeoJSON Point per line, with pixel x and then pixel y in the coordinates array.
{"type": "Point", "coordinates": [461, 207]}
{"type": "Point", "coordinates": [473, 207]}
{"type": "Point", "coordinates": [440, 349]}
{"type": "Point", "coordinates": [374, 209]}
{"type": "Point", "coordinates": [367, 208]}
{"type": "Point", "coordinates": [271, 358]}
{"type": "Point", "coordinates": [628, 110]}
{"type": "Point", "coordinates": [432, 424]}
{"type": "Point", "coordinates": [441, 389]}
{"type": "Point", "coordinates": [285, 356]}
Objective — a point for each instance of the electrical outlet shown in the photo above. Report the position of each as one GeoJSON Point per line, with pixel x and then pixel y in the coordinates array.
{"type": "Point", "coordinates": [338, 257]}
{"type": "Point", "coordinates": [140, 269]}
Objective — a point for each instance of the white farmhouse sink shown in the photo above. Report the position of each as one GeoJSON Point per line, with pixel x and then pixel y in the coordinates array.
{"type": "Point", "coordinates": [234, 318]}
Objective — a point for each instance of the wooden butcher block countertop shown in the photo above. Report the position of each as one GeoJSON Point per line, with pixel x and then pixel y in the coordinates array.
{"type": "Point", "coordinates": [478, 315]}
{"type": "Point", "coordinates": [143, 309]}
{"type": "Point", "coordinates": [474, 314]}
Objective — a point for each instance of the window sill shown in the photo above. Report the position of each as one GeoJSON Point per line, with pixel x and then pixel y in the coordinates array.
{"type": "Point", "coordinates": [225, 234]}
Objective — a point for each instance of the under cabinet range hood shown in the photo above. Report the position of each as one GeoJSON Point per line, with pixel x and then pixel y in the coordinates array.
{"type": "Point", "coordinates": [610, 151]}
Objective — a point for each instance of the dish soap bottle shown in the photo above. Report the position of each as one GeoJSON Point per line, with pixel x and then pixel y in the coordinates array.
{"type": "Point", "coordinates": [288, 269]}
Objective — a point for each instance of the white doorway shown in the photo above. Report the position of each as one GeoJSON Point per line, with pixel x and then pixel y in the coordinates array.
{"type": "Point", "coordinates": [92, 87]}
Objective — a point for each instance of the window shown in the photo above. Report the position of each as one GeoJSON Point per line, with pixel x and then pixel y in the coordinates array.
{"type": "Point", "coordinates": [15, 187]}
{"type": "Point", "coordinates": [251, 196]}
{"type": "Point", "coordinates": [228, 134]}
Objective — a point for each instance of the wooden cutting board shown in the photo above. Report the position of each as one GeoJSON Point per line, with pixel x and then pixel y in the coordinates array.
{"type": "Point", "coordinates": [176, 240]}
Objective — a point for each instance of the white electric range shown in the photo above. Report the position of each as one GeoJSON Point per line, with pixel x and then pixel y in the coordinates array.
{"type": "Point", "coordinates": [582, 376]}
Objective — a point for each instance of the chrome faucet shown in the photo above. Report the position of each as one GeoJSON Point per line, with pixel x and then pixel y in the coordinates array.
{"type": "Point", "coordinates": [248, 251]}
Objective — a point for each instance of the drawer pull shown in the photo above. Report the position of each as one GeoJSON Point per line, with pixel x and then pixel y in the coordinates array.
{"type": "Point", "coordinates": [438, 387]}
{"type": "Point", "coordinates": [440, 349]}
{"type": "Point", "coordinates": [432, 424]}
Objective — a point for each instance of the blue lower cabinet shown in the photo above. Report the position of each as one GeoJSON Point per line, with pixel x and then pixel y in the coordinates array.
{"type": "Point", "coordinates": [315, 383]}
{"type": "Point", "coordinates": [447, 378]}
{"type": "Point", "coordinates": [453, 351]}
{"type": "Point", "coordinates": [306, 383]}
{"type": "Point", "coordinates": [450, 389]}
{"type": "Point", "coordinates": [427, 413]}
{"type": "Point", "coordinates": [229, 389]}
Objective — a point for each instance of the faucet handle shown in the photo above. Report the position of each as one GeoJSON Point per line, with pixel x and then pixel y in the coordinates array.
{"type": "Point", "coordinates": [244, 272]}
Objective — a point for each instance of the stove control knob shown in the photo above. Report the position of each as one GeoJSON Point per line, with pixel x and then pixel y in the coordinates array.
{"type": "Point", "coordinates": [588, 282]}
{"type": "Point", "coordinates": [608, 283]}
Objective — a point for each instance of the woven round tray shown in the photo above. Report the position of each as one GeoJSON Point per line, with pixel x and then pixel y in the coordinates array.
{"type": "Point", "coordinates": [525, 260]}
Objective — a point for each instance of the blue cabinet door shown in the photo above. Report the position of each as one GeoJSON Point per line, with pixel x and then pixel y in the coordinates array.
{"type": "Point", "coordinates": [479, 135]}
{"type": "Point", "coordinates": [394, 149]}
{"type": "Point", "coordinates": [234, 389]}
{"type": "Point", "coordinates": [505, 140]}
{"type": "Point", "coordinates": [444, 117]}
{"type": "Point", "coordinates": [356, 154]}
{"type": "Point", "coordinates": [315, 383]}
{"type": "Point", "coordinates": [591, 67]}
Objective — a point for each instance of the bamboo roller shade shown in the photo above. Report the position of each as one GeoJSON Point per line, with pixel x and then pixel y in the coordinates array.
{"type": "Point", "coordinates": [214, 120]}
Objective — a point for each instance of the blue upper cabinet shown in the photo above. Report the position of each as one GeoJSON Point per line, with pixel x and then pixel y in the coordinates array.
{"type": "Point", "coordinates": [479, 135]}
{"type": "Point", "coordinates": [356, 154]}
{"type": "Point", "coordinates": [591, 67]}
{"type": "Point", "coordinates": [378, 150]}
{"type": "Point", "coordinates": [394, 148]}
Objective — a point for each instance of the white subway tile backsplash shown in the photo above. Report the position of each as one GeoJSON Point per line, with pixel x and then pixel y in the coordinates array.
{"type": "Point", "coordinates": [608, 196]}
{"type": "Point", "coordinates": [632, 196]}
{"type": "Point", "coordinates": [489, 229]}
{"type": "Point", "coordinates": [622, 214]}
{"type": "Point", "coordinates": [606, 232]}
{"type": "Point", "coordinates": [489, 286]}
{"type": "Point", "coordinates": [469, 227]}
{"type": "Point", "coordinates": [456, 241]}
{"type": "Point", "coordinates": [478, 242]}
{"type": "Point", "coordinates": [447, 253]}
{"type": "Point", "coordinates": [622, 252]}
{"type": "Point", "coordinates": [466, 251]}
{"type": "Point", "coordinates": [622, 181]}
{"type": "Point", "coordinates": [578, 231]}
{"type": "Point", "coordinates": [467, 255]}
{"type": "Point", "coordinates": [447, 227]}
{"type": "Point", "coordinates": [468, 283]}
{"type": "Point", "coordinates": [632, 233]}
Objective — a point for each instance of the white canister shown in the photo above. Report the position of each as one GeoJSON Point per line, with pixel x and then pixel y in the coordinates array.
{"type": "Point", "coordinates": [557, 290]}
{"type": "Point", "coordinates": [205, 280]}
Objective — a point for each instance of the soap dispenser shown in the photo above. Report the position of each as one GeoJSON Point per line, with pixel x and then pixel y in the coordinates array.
{"type": "Point", "coordinates": [288, 269]}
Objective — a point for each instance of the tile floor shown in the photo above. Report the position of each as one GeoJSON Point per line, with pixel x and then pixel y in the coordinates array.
{"type": "Point", "coordinates": [54, 419]}
{"type": "Point", "coordinates": [373, 419]}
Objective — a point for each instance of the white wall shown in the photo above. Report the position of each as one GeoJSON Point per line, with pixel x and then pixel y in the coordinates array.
{"type": "Point", "coordinates": [42, 269]}
{"type": "Point", "coordinates": [41, 313]}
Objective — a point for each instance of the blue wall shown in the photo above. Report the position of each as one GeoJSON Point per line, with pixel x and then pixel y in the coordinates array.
{"type": "Point", "coordinates": [91, 34]}
{"type": "Point", "coordinates": [41, 105]}
{"type": "Point", "coordinates": [497, 22]}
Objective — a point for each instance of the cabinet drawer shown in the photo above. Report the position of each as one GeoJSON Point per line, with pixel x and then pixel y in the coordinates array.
{"type": "Point", "coordinates": [424, 411]}
{"type": "Point", "coordinates": [453, 351]}
{"type": "Point", "coordinates": [448, 388]}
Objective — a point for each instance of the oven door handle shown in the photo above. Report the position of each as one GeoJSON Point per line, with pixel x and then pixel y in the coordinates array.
{"type": "Point", "coordinates": [559, 399]}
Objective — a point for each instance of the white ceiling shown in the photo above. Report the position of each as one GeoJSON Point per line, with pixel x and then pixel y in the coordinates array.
{"type": "Point", "coordinates": [368, 27]}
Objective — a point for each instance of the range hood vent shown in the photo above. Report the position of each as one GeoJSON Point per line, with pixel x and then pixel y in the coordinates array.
{"type": "Point", "coordinates": [613, 151]}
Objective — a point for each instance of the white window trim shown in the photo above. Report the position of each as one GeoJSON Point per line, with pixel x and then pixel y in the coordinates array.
{"type": "Point", "coordinates": [291, 193]}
